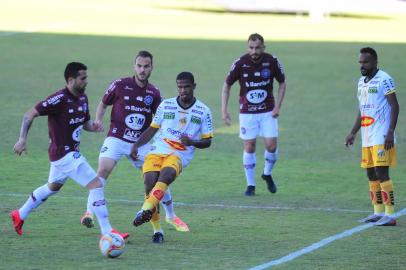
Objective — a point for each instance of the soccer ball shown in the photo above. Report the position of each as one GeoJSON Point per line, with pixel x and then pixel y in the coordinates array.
{"type": "Point", "coordinates": [111, 245]}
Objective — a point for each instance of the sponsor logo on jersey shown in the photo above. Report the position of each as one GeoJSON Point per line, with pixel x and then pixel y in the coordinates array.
{"type": "Point", "coordinates": [256, 96]}
{"type": "Point", "coordinates": [257, 74]}
{"type": "Point", "coordinates": [195, 120]}
{"type": "Point", "coordinates": [76, 120]}
{"type": "Point", "coordinates": [135, 121]}
{"type": "Point", "coordinates": [149, 91]}
{"type": "Point", "coordinates": [373, 82]}
{"type": "Point", "coordinates": [245, 75]}
{"type": "Point", "coordinates": [137, 109]}
{"type": "Point", "coordinates": [171, 108]}
{"type": "Point", "coordinates": [266, 73]}
{"type": "Point", "coordinates": [175, 144]}
{"type": "Point", "coordinates": [44, 104]}
{"type": "Point", "coordinates": [54, 100]}
{"type": "Point", "coordinates": [70, 110]}
{"type": "Point", "coordinates": [126, 98]}
{"type": "Point", "coordinates": [197, 112]}
{"type": "Point", "coordinates": [67, 147]}
{"type": "Point", "coordinates": [131, 135]}
{"type": "Point", "coordinates": [140, 98]}
{"type": "Point", "coordinates": [148, 100]}
{"type": "Point", "coordinates": [128, 88]}
{"type": "Point", "coordinates": [76, 133]}
{"type": "Point", "coordinates": [367, 106]}
{"type": "Point", "coordinates": [373, 90]}
{"type": "Point", "coordinates": [114, 130]}
{"type": "Point", "coordinates": [169, 115]}
{"type": "Point", "coordinates": [254, 108]}
{"type": "Point", "coordinates": [257, 84]}
{"type": "Point", "coordinates": [366, 121]}
{"type": "Point", "coordinates": [266, 64]}
{"type": "Point", "coordinates": [80, 109]}
{"type": "Point", "coordinates": [245, 65]}
{"type": "Point", "coordinates": [76, 155]}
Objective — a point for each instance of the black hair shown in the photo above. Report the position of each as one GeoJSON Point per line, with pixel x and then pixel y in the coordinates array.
{"type": "Point", "coordinates": [145, 54]}
{"type": "Point", "coordinates": [72, 70]}
{"type": "Point", "coordinates": [185, 76]}
{"type": "Point", "coordinates": [370, 51]}
{"type": "Point", "coordinates": [255, 37]}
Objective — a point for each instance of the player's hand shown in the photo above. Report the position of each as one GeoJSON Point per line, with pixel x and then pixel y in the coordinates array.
{"type": "Point", "coordinates": [226, 118]}
{"type": "Point", "coordinates": [134, 152]}
{"type": "Point", "coordinates": [20, 147]}
{"type": "Point", "coordinates": [275, 112]}
{"type": "Point", "coordinates": [185, 140]}
{"type": "Point", "coordinates": [98, 126]}
{"type": "Point", "coordinates": [349, 140]}
{"type": "Point", "coordinates": [389, 141]}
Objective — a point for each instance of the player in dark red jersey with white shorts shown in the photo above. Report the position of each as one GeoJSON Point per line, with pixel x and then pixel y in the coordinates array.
{"type": "Point", "coordinates": [68, 114]}
{"type": "Point", "coordinates": [255, 72]}
{"type": "Point", "coordinates": [134, 102]}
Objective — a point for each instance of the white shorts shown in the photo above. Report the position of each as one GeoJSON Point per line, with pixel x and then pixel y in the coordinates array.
{"type": "Point", "coordinates": [259, 124]}
{"type": "Point", "coordinates": [115, 148]}
{"type": "Point", "coordinates": [72, 165]}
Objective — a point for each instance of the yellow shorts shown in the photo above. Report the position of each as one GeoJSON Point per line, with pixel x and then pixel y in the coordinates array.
{"type": "Point", "coordinates": [155, 162]}
{"type": "Point", "coordinates": [376, 155]}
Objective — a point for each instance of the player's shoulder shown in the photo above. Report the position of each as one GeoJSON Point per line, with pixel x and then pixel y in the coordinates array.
{"type": "Point", "coordinates": [57, 97]}
{"type": "Point", "coordinates": [382, 75]}
{"type": "Point", "coordinates": [200, 106]}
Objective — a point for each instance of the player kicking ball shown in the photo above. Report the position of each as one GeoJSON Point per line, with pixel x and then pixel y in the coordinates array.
{"type": "Point", "coordinates": [68, 113]}
{"type": "Point", "coordinates": [181, 124]}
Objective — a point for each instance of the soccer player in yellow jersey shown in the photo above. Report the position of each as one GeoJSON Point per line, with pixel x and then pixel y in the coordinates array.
{"type": "Point", "coordinates": [181, 124]}
{"type": "Point", "coordinates": [377, 117]}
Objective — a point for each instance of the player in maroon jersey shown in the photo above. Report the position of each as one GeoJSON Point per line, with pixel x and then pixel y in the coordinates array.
{"type": "Point", "coordinates": [255, 72]}
{"type": "Point", "coordinates": [68, 114]}
{"type": "Point", "coordinates": [134, 100]}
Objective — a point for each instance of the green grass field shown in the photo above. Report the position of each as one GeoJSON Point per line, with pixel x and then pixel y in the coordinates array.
{"type": "Point", "coordinates": [322, 190]}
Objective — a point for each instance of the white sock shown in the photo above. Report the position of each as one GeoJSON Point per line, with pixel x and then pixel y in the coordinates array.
{"type": "Point", "coordinates": [270, 160]}
{"type": "Point", "coordinates": [99, 206]}
{"type": "Point", "coordinates": [167, 204]}
{"type": "Point", "coordinates": [249, 160]}
{"type": "Point", "coordinates": [37, 197]}
{"type": "Point", "coordinates": [89, 208]}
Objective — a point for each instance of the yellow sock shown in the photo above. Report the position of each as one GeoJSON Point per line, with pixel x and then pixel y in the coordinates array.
{"type": "Point", "coordinates": [376, 196]}
{"type": "Point", "coordinates": [388, 197]}
{"type": "Point", "coordinates": [156, 221]}
{"type": "Point", "coordinates": [155, 196]}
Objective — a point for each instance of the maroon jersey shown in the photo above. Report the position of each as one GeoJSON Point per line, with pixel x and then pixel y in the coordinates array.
{"type": "Point", "coordinates": [256, 82]}
{"type": "Point", "coordinates": [133, 108]}
{"type": "Point", "coordinates": [66, 116]}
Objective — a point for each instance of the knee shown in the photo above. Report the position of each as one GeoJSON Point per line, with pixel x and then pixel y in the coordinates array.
{"type": "Point", "coordinates": [95, 183]}
{"type": "Point", "coordinates": [249, 147]}
{"type": "Point", "coordinates": [55, 187]}
{"type": "Point", "coordinates": [103, 172]}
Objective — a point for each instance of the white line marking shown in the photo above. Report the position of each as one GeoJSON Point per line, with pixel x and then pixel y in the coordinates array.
{"type": "Point", "coordinates": [220, 206]}
{"type": "Point", "coordinates": [319, 244]}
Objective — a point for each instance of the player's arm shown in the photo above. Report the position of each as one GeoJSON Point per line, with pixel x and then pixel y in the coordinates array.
{"type": "Point", "coordinates": [100, 111]}
{"type": "Point", "coordinates": [349, 140]}
{"type": "Point", "coordinates": [390, 137]}
{"type": "Point", "coordinates": [201, 144]}
{"type": "Point", "coordinates": [281, 96]}
{"type": "Point", "coordinates": [225, 95]}
{"type": "Point", "coordinates": [144, 138]}
{"type": "Point", "coordinates": [92, 126]}
{"type": "Point", "coordinates": [21, 143]}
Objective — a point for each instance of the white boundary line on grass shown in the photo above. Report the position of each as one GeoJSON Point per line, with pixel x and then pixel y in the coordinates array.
{"type": "Point", "coordinates": [321, 243]}
{"type": "Point", "coordinates": [212, 205]}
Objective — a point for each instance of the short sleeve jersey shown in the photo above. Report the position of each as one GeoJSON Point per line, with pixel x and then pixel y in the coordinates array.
{"type": "Point", "coordinates": [133, 108]}
{"type": "Point", "coordinates": [66, 116]}
{"type": "Point", "coordinates": [374, 107]}
{"type": "Point", "coordinates": [174, 121]}
{"type": "Point", "coordinates": [256, 82]}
